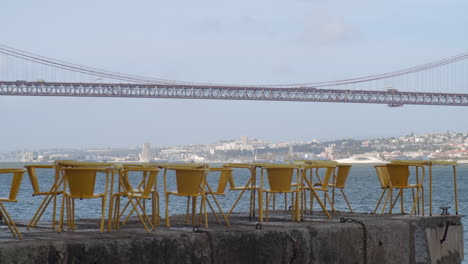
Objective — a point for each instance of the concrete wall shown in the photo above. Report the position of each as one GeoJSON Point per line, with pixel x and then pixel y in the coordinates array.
{"type": "Point", "coordinates": [404, 240]}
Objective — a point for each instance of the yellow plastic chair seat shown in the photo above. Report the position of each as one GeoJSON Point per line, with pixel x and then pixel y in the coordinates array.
{"type": "Point", "coordinates": [407, 186]}
{"type": "Point", "coordinates": [240, 188]}
{"type": "Point", "coordinates": [184, 194]}
{"type": "Point", "coordinates": [279, 191]}
{"type": "Point", "coordinates": [11, 170]}
{"type": "Point", "coordinates": [96, 195]}
{"type": "Point", "coordinates": [134, 195]}
{"type": "Point", "coordinates": [7, 199]}
{"type": "Point", "coordinates": [319, 187]}
{"type": "Point", "coordinates": [44, 193]}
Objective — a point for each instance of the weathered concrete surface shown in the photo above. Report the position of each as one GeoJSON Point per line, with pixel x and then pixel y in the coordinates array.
{"type": "Point", "coordinates": [389, 239]}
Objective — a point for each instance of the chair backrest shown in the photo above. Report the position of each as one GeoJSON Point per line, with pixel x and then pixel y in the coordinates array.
{"type": "Point", "coordinates": [81, 180]}
{"type": "Point", "coordinates": [342, 175]}
{"type": "Point", "coordinates": [382, 174]}
{"type": "Point", "coordinates": [33, 176]}
{"type": "Point", "coordinates": [15, 182]}
{"type": "Point", "coordinates": [248, 166]}
{"type": "Point", "coordinates": [33, 179]}
{"type": "Point", "coordinates": [224, 178]}
{"type": "Point", "coordinates": [326, 178]}
{"type": "Point", "coordinates": [124, 180]}
{"type": "Point", "coordinates": [399, 174]}
{"type": "Point", "coordinates": [308, 174]}
{"type": "Point", "coordinates": [189, 180]}
{"type": "Point", "coordinates": [231, 181]}
{"type": "Point", "coordinates": [150, 182]}
{"type": "Point", "coordinates": [280, 179]}
{"type": "Point", "coordinates": [147, 183]}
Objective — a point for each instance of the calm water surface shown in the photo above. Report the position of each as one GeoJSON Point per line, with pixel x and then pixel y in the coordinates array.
{"type": "Point", "coordinates": [362, 189]}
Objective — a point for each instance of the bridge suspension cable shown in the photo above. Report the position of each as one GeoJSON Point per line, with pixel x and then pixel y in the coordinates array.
{"type": "Point", "coordinates": [78, 68]}
{"type": "Point", "coordinates": [123, 77]}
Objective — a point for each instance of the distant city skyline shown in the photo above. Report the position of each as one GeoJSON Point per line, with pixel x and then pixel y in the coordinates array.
{"type": "Point", "coordinates": [445, 146]}
{"type": "Point", "coordinates": [241, 42]}
{"type": "Point", "coordinates": [147, 145]}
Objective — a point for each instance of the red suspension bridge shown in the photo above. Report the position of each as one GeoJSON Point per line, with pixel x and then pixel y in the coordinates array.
{"type": "Point", "coordinates": [443, 82]}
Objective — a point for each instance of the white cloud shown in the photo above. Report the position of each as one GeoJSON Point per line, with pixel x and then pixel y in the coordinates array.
{"type": "Point", "coordinates": [321, 28]}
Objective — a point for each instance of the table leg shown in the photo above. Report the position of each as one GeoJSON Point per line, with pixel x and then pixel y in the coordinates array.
{"type": "Point", "coordinates": [430, 190]}
{"type": "Point", "coordinates": [260, 198]}
{"type": "Point", "coordinates": [217, 204]}
{"type": "Point", "coordinates": [253, 172]}
{"type": "Point", "coordinates": [111, 204]}
{"type": "Point", "coordinates": [455, 188]}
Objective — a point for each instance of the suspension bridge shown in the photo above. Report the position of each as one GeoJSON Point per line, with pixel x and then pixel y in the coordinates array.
{"type": "Point", "coordinates": [442, 82]}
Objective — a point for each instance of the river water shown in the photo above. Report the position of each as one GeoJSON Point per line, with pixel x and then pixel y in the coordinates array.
{"type": "Point", "coordinates": [362, 189]}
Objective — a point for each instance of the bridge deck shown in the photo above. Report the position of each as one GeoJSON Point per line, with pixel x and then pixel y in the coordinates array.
{"type": "Point", "coordinates": [390, 97]}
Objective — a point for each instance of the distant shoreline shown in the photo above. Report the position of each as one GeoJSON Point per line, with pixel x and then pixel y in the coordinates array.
{"type": "Point", "coordinates": [348, 160]}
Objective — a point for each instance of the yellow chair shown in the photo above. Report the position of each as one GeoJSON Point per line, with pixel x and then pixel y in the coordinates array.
{"type": "Point", "coordinates": [32, 173]}
{"type": "Point", "coordinates": [321, 184]}
{"type": "Point", "coordinates": [140, 187]}
{"type": "Point", "coordinates": [399, 179]}
{"type": "Point", "coordinates": [342, 172]}
{"type": "Point", "coordinates": [280, 181]}
{"type": "Point", "coordinates": [384, 180]}
{"type": "Point", "coordinates": [13, 192]}
{"type": "Point", "coordinates": [146, 189]}
{"type": "Point", "coordinates": [79, 183]}
{"type": "Point", "coordinates": [190, 183]}
{"type": "Point", "coordinates": [225, 177]}
{"type": "Point", "coordinates": [250, 185]}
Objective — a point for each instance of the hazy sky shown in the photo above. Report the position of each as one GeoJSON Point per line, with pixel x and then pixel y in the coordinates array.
{"type": "Point", "coordinates": [232, 42]}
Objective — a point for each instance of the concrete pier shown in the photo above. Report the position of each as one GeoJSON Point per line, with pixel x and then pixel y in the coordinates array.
{"type": "Point", "coordinates": [348, 238]}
